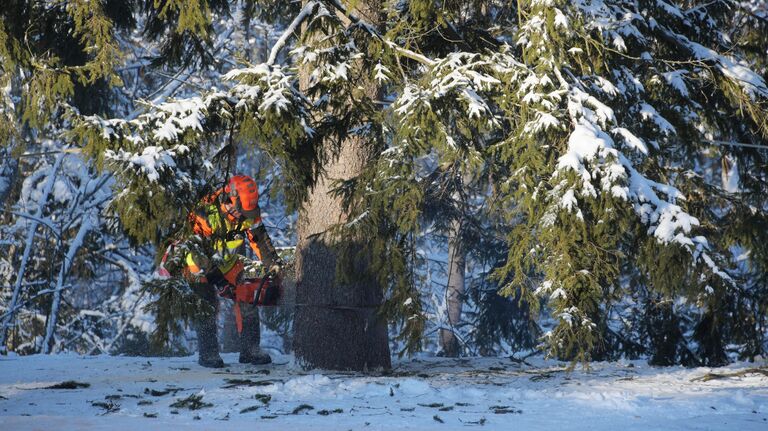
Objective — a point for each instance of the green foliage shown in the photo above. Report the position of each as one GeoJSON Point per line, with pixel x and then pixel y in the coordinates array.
{"type": "Point", "coordinates": [173, 303]}
{"type": "Point", "coordinates": [158, 155]}
{"type": "Point", "coordinates": [581, 134]}
{"type": "Point", "coordinates": [96, 34]}
{"type": "Point", "coordinates": [8, 47]}
{"type": "Point", "coordinates": [192, 402]}
{"type": "Point", "coordinates": [55, 78]}
{"type": "Point", "coordinates": [498, 317]}
{"type": "Point", "coordinates": [193, 16]}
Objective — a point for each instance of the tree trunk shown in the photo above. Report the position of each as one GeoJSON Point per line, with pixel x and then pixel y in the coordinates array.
{"type": "Point", "coordinates": [730, 174]}
{"type": "Point", "coordinates": [454, 291]}
{"type": "Point", "coordinates": [9, 172]}
{"type": "Point", "coordinates": [66, 265]}
{"type": "Point", "coordinates": [337, 324]}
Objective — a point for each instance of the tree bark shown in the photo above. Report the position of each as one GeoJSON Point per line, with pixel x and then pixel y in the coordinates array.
{"type": "Point", "coordinates": [449, 343]}
{"type": "Point", "coordinates": [337, 325]}
{"type": "Point", "coordinates": [9, 172]}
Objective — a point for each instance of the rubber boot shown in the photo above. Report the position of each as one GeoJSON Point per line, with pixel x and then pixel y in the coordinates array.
{"type": "Point", "coordinates": [250, 352]}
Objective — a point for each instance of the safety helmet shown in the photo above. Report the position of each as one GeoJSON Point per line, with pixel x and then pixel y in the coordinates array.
{"type": "Point", "coordinates": [243, 193]}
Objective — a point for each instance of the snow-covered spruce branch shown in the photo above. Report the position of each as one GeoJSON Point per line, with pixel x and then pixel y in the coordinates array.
{"type": "Point", "coordinates": [589, 144]}
{"type": "Point", "coordinates": [266, 87]}
{"type": "Point", "coordinates": [609, 159]}
{"type": "Point", "coordinates": [289, 31]}
{"type": "Point", "coordinates": [751, 82]}
{"type": "Point", "coordinates": [175, 82]}
{"type": "Point", "coordinates": [375, 33]}
{"type": "Point", "coordinates": [459, 76]}
{"type": "Point", "coordinates": [592, 153]}
{"type": "Point", "coordinates": [269, 89]}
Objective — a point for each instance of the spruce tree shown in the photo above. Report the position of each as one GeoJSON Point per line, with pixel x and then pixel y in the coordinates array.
{"type": "Point", "coordinates": [596, 130]}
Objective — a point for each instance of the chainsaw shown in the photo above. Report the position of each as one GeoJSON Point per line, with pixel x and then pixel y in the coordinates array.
{"type": "Point", "coordinates": [264, 291]}
{"type": "Point", "coordinates": [266, 288]}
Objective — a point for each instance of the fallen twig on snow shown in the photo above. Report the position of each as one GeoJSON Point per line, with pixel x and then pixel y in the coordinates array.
{"type": "Point", "coordinates": [69, 384]}
{"type": "Point", "coordinates": [168, 390]}
{"type": "Point", "coordinates": [234, 383]}
{"type": "Point", "coordinates": [714, 376]}
{"type": "Point", "coordinates": [109, 407]}
{"type": "Point", "coordinates": [302, 408]}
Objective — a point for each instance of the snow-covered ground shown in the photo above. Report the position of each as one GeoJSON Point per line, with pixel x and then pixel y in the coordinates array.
{"type": "Point", "coordinates": [131, 393]}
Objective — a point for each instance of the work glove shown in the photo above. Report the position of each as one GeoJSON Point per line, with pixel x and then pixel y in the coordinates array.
{"type": "Point", "coordinates": [223, 287]}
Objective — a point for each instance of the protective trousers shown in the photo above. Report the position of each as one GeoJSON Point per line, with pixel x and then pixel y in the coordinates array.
{"type": "Point", "coordinates": [206, 328]}
{"type": "Point", "coordinates": [250, 336]}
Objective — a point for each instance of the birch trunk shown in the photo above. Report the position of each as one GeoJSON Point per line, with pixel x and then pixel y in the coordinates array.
{"type": "Point", "coordinates": [449, 343]}
{"type": "Point", "coordinates": [66, 265]}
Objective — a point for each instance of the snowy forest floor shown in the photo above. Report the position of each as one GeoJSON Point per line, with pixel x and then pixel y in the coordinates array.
{"type": "Point", "coordinates": [429, 393]}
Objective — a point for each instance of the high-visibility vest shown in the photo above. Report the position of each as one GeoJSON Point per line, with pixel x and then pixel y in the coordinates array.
{"type": "Point", "coordinates": [207, 220]}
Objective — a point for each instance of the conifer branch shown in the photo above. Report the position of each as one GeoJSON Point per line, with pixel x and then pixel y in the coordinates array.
{"type": "Point", "coordinates": [290, 30]}
{"type": "Point", "coordinates": [375, 33]}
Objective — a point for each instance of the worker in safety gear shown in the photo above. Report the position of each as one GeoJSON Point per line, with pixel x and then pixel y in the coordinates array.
{"type": "Point", "coordinates": [228, 217]}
